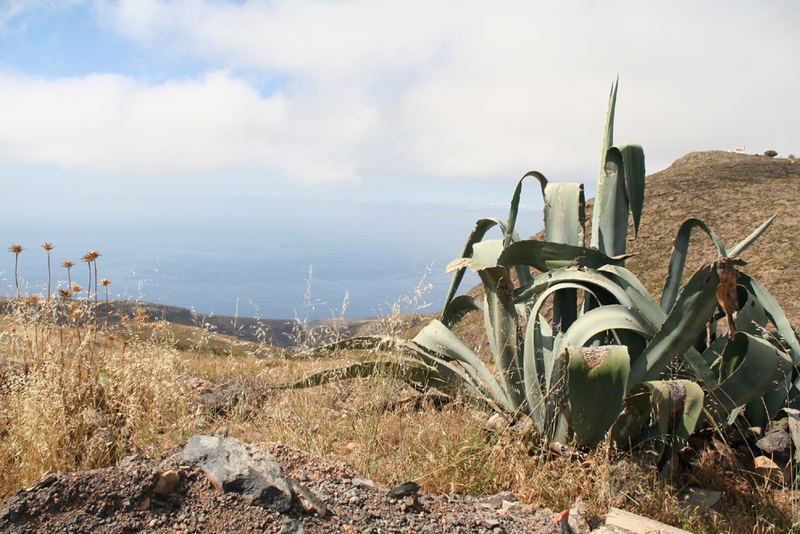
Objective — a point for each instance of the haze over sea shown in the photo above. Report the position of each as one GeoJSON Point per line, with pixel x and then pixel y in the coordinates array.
{"type": "Point", "coordinates": [257, 263]}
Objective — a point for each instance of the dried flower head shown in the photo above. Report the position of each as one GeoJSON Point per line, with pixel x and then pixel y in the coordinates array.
{"type": "Point", "coordinates": [16, 249]}
{"type": "Point", "coordinates": [64, 293]}
{"type": "Point", "coordinates": [105, 282]}
{"type": "Point", "coordinates": [73, 306]}
{"type": "Point", "coordinates": [90, 256]}
{"type": "Point", "coordinates": [77, 314]}
{"type": "Point", "coordinates": [48, 246]}
{"type": "Point", "coordinates": [76, 288]}
{"type": "Point", "coordinates": [32, 300]}
{"type": "Point", "coordinates": [68, 264]}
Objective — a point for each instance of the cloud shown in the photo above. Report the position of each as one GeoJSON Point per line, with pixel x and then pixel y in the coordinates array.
{"type": "Point", "coordinates": [112, 124]}
{"type": "Point", "coordinates": [339, 92]}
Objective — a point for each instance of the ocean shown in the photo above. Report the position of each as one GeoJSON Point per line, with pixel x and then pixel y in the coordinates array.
{"type": "Point", "coordinates": [276, 263]}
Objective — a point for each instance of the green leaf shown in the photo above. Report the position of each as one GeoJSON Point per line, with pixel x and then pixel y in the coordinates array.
{"type": "Point", "coordinates": [682, 327]}
{"type": "Point", "coordinates": [640, 299]}
{"type": "Point", "coordinates": [477, 234]}
{"type": "Point", "coordinates": [597, 380]}
{"type": "Point", "coordinates": [438, 339]}
{"type": "Point", "coordinates": [750, 367]}
{"type": "Point", "coordinates": [564, 222]}
{"type": "Point", "coordinates": [678, 259]}
{"type": "Point", "coordinates": [745, 243]}
{"type": "Point", "coordinates": [546, 256]}
{"type": "Point", "coordinates": [413, 372]}
{"type": "Point", "coordinates": [775, 314]}
{"type": "Point", "coordinates": [459, 307]}
{"type": "Point", "coordinates": [514, 210]}
{"type": "Point", "coordinates": [630, 162]}
{"type": "Point", "coordinates": [503, 331]}
{"type": "Point", "coordinates": [677, 405]}
{"type": "Point", "coordinates": [594, 281]}
{"type": "Point", "coordinates": [605, 318]}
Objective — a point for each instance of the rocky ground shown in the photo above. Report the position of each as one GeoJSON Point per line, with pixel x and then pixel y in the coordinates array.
{"type": "Point", "coordinates": [173, 495]}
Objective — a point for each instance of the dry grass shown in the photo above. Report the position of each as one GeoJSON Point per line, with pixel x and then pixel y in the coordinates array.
{"type": "Point", "coordinates": [74, 397]}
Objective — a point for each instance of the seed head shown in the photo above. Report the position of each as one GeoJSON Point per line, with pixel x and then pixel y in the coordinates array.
{"type": "Point", "coordinates": [48, 246]}
{"type": "Point", "coordinates": [68, 264]}
{"type": "Point", "coordinates": [105, 282]}
{"type": "Point", "coordinates": [16, 249]}
{"type": "Point", "coordinates": [65, 293]}
{"type": "Point", "coordinates": [76, 288]}
{"type": "Point", "coordinates": [90, 256]}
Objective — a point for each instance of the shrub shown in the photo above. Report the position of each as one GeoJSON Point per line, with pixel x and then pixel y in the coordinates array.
{"type": "Point", "coordinates": [771, 153]}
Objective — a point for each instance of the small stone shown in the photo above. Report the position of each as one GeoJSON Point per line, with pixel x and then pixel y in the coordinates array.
{"type": "Point", "coordinates": [699, 499]}
{"type": "Point", "coordinates": [491, 523]}
{"type": "Point", "coordinates": [292, 526]}
{"type": "Point", "coordinates": [774, 442]}
{"type": "Point", "coordinates": [167, 482]}
{"type": "Point", "coordinates": [406, 488]}
{"type": "Point", "coordinates": [362, 482]}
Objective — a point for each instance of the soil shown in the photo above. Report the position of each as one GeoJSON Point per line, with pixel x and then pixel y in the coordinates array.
{"type": "Point", "coordinates": [124, 499]}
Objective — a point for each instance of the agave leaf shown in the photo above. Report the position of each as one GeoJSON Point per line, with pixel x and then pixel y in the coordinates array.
{"type": "Point", "coordinates": [459, 307]}
{"type": "Point", "coordinates": [677, 405]}
{"type": "Point", "coordinates": [640, 299]}
{"type": "Point", "coordinates": [503, 330]}
{"type": "Point", "coordinates": [591, 280]}
{"type": "Point", "coordinates": [477, 234]}
{"type": "Point", "coordinates": [415, 373]}
{"type": "Point", "coordinates": [775, 314]}
{"type": "Point", "coordinates": [597, 379]}
{"type": "Point", "coordinates": [564, 213]}
{"type": "Point", "coordinates": [546, 256]}
{"type": "Point", "coordinates": [374, 342]}
{"type": "Point", "coordinates": [514, 210]}
{"type": "Point", "coordinates": [537, 350]}
{"type": "Point", "coordinates": [629, 159]}
{"type": "Point", "coordinates": [745, 243]}
{"type": "Point", "coordinates": [749, 368]}
{"type": "Point", "coordinates": [438, 339]}
{"type": "Point", "coordinates": [682, 327]}
{"type": "Point", "coordinates": [678, 259]}
{"type": "Point", "coordinates": [602, 319]}
{"type": "Point", "coordinates": [557, 410]}
{"type": "Point", "coordinates": [761, 411]}
{"type": "Point", "coordinates": [608, 140]}
{"type": "Point", "coordinates": [564, 222]}
{"type": "Point", "coordinates": [751, 317]}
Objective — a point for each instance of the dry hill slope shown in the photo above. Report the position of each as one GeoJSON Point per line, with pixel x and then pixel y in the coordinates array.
{"type": "Point", "coordinates": [733, 194]}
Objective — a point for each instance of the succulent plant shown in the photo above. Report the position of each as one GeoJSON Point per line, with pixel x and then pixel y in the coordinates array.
{"type": "Point", "coordinates": [600, 362]}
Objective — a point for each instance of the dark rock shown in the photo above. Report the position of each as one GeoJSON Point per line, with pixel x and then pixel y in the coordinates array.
{"type": "Point", "coordinates": [236, 467]}
{"type": "Point", "coordinates": [404, 489]}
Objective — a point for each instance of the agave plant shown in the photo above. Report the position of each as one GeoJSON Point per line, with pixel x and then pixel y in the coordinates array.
{"type": "Point", "coordinates": [597, 358]}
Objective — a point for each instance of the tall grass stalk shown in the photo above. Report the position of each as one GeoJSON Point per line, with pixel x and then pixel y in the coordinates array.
{"type": "Point", "coordinates": [16, 249]}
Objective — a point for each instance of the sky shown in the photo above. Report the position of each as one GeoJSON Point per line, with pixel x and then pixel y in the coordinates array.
{"type": "Point", "coordinates": [370, 121]}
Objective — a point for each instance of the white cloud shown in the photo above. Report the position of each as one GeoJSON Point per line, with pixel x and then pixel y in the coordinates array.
{"type": "Point", "coordinates": [112, 124]}
{"type": "Point", "coordinates": [436, 89]}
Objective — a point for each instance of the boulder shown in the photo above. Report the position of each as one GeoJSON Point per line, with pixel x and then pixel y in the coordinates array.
{"type": "Point", "coordinates": [234, 466]}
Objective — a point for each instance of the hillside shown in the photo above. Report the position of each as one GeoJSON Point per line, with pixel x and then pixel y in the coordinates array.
{"type": "Point", "coordinates": [734, 194]}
